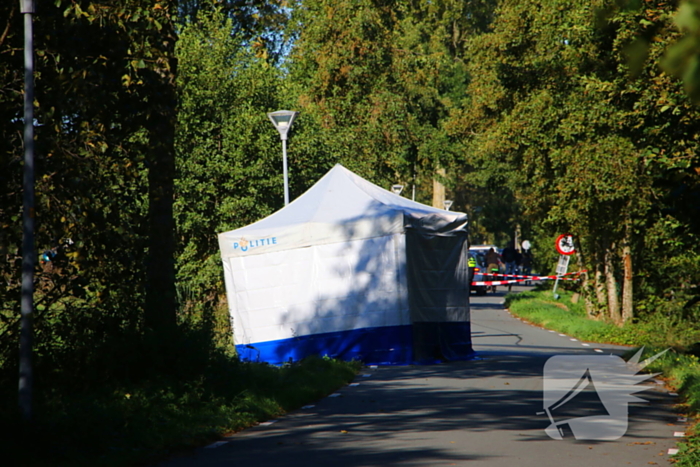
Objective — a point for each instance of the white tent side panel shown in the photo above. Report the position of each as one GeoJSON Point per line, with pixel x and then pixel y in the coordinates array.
{"type": "Point", "coordinates": [349, 270]}
{"type": "Point", "coordinates": [347, 298]}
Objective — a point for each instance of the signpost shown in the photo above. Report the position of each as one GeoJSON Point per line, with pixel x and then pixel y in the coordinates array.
{"type": "Point", "coordinates": [565, 246]}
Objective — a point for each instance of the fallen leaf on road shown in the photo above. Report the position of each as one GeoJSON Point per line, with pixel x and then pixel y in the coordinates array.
{"type": "Point", "coordinates": [343, 431]}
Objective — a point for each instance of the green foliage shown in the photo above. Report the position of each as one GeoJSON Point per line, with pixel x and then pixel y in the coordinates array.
{"type": "Point", "coordinates": [100, 73]}
{"type": "Point", "coordinates": [229, 164]}
{"type": "Point", "coordinates": [260, 23]}
{"type": "Point", "coordinates": [570, 318]}
{"type": "Point", "coordinates": [127, 424]}
{"type": "Point", "coordinates": [682, 371]}
{"type": "Point", "coordinates": [681, 58]}
{"type": "Point", "coordinates": [375, 82]}
{"type": "Point", "coordinates": [583, 143]}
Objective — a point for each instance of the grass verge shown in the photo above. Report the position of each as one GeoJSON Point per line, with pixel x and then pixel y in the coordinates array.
{"type": "Point", "coordinates": [679, 366]}
{"type": "Point", "coordinates": [136, 425]}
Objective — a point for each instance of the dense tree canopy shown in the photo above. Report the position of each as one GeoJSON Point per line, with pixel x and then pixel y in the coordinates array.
{"type": "Point", "coordinates": [152, 137]}
{"type": "Point", "coordinates": [229, 155]}
{"type": "Point", "coordinates": [104, 112]}
{"type": "Point", "coordinates": [554, 113]}
{"type": "Point", "coordinates": [376, 80]}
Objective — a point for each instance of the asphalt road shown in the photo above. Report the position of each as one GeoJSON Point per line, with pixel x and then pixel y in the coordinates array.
{"type": "Point", "coordinates": [476, 413]}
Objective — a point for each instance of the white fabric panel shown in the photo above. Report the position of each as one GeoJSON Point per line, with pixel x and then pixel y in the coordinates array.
{"type": "Point", "coordinates": [322, 288]}
{"type": "Point", "coordinates": [339, 208]}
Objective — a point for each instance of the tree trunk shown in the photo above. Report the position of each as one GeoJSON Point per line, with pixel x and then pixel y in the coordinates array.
{"type": "Point", "coordinates": [591, 310]}
{"type": "Point", "coordinates": [611, 285]}
{"type": "Point", "coordinates": [161, 310]}
{"type": "Point", "coordinates": [586, 286]}
{"type": "Point", "coordinates": [601, 298]}
{"type": "Point", "coordinates": [439, 190]}
{"type": "Point", "coordinates": [627, 285]}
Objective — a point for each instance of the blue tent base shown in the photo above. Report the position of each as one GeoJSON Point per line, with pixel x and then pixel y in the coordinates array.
{"type": "Point", "coordinates": [386, 345]}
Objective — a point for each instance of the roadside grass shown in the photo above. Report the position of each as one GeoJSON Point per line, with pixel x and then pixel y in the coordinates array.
{"type": "Point", "coordinates": [679, 366]}
{"type": "Point", "coordinates": [138, 424]}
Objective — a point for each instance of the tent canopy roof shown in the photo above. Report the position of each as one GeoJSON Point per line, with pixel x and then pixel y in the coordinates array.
{"type": "Point", "coordinates": [340, 207]}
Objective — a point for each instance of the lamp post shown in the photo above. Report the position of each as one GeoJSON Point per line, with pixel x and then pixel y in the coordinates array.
{"type": "Point", "coordinates": [397, 189]}
{"type": "Point", "coordinates": [282, 120]}
{"type": "Point", "coordinates": [28, 253]}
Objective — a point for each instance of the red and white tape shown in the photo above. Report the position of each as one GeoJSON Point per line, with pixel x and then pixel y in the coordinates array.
{"type": "Point", "coordinates": [521, 278]}
{"type": "Point", "coordinates": [478, 283]}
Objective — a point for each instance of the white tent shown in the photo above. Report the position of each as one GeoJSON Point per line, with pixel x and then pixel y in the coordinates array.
{"type": "Point", "coordinates": [350, 270]}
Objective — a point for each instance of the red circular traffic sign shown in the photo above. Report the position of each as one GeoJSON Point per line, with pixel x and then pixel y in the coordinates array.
{"type": "Point", "coordinates": [565, 244]}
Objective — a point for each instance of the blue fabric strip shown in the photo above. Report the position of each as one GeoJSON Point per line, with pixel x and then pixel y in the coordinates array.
{"type": "Point", "coordinates": [387, 345]}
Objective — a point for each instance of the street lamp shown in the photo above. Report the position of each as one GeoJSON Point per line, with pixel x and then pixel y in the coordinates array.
{"type": "Point", "coordinates": [448, 204]}
{"type": "Point", "coordinates": [26, 374]}
{"type": "Point", "coordinates": [396, 189]}
{"type": "Point", "coordinates": [282, 120]}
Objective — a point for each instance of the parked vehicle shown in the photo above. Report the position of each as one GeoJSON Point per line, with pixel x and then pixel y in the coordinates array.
{"type": "Point", "coordinates": [477, 272]}
{"type": "Point", "coordinates": [484, 248]}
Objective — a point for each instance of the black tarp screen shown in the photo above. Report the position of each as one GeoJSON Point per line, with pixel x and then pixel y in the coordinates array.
{"type": "Point", "coordinates": [438, 293]}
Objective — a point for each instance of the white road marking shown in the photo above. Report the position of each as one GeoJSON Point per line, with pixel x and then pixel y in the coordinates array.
{"type": "Point", "coordinates": [215, 445]}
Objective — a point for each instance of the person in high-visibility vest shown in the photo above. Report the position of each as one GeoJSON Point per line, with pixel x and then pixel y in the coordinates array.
{"type": "Point", "coordinates": [471, 264]}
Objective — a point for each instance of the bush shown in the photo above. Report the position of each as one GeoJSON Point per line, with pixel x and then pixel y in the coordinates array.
{"type": "Point", "coordinates": [142, 422]}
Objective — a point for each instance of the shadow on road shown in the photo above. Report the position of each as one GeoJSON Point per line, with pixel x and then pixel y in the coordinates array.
{"type": "Point", "coordinates": [432, 415]}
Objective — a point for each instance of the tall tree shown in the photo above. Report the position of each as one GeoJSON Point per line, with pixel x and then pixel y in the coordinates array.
{"type": "Point", "coordinates": [229, 161]}
{"type": "Point", "coordinates": [377, 79]}
{"type": "Point", "coordinates": [101, 84]}
{"type": "Point", "coordinates": [259, 24]}
{"type": "Point", "coordinates": [555, 113]}
{"type": "Point", "coordinates": [160, 121]}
